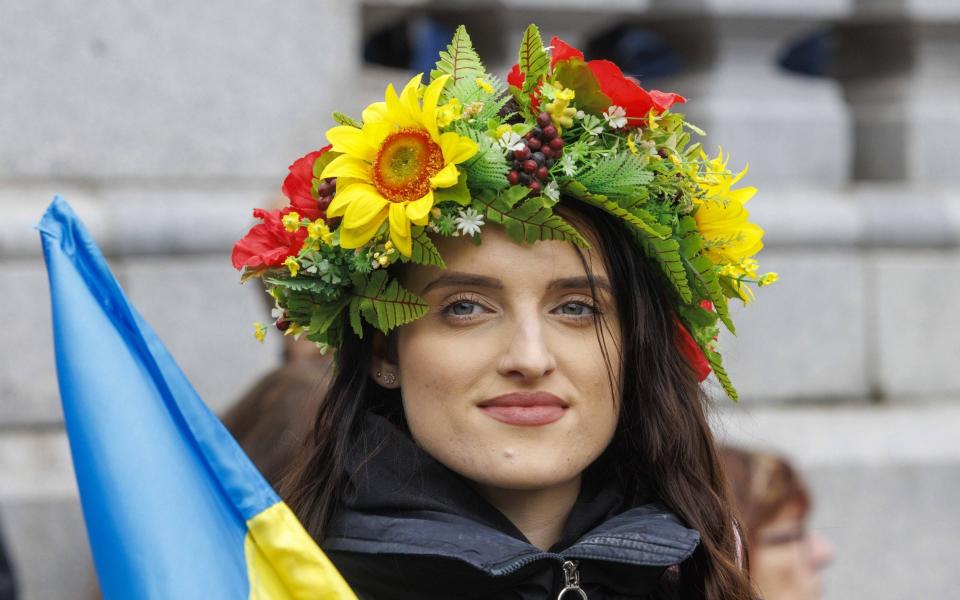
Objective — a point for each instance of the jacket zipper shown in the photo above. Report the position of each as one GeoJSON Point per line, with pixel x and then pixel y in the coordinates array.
{"type": "Point", "coordinates": [571, 583]}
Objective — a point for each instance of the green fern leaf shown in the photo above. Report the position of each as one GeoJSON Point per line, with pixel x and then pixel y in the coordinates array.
{"type": "Point", "coordinates": [424, 252]}
{"type": "Point", "coordinates": [653, 237]}
{"type": "Point", "coordinates": [618, 176]}
{"type": "Point", "coordinates": [460, 61]}
{"type": "Point", "coordinates": [354, 311]}
{"type": "Point", "coordinates": [534, 61]}
{"type": "Point", "coordinates": [705, 274]}
{"type": "Point", "coordinates": [716, 363]}
{"type": "Point", "coordinates": [487, 169]}
{"type": "Point", "coordinates": [529, 221]}
{"type": "Point", "coordinates": [385, 304]}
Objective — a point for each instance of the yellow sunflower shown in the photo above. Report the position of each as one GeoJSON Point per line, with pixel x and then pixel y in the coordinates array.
{"type": "Point", "coordinates": [721, 217]}
{"type": "Point", "coordinates": [390, 167]}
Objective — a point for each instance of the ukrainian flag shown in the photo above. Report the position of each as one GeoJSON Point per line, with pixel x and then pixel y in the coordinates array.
{"type": "Point", "coordinates": [174, 509]}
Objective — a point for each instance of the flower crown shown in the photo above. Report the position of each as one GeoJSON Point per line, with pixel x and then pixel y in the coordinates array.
{"type": "Point", "coordinates": [449, 155]}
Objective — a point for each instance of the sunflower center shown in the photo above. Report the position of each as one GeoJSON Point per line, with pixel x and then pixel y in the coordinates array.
{"type": "Point", "coordinates": [405, 163]}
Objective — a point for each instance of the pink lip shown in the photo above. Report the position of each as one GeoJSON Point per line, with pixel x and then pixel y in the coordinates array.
{"type": "Point", "coordinates": [529, 409]}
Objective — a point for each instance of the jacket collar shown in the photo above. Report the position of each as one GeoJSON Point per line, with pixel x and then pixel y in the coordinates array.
{"type": "Point", "coordinates": [402, 502]}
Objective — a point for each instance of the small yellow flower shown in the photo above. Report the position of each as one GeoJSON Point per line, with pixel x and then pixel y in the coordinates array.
{"type": "Point", "coordinates": [652, 120]}
{"type": "Point", "coordinates": [388, 246]}
{"type": "Point", "coordinates": [448, 113]}
{"type": "Point", "coordinates": [318, 230]}
{"type": "Point", "coordinates": [259, 332]}
{"type": "Point", "coordinates": [560, 110]}
{"type": "Point", "coordinates": [768, 278]}
{"type": "Point", "coordinates": [292, 264]}
{"type": "Point", "coordinates": [291, 221]}
{"type": "Point", "coordinates": [484, 85]}
{"type": "Point", "coordinates": [384, 260]}
{"type": "Point", "coordinates": [632, 145]}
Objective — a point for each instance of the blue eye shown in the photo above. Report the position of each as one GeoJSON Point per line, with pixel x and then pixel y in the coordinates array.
{"type": "Point", "coordinates": [577, 309]}
{"type": "Point", "coordinates": [463, 308]}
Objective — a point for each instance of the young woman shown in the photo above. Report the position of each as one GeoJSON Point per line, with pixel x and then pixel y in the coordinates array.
{"type": "Point", "coordinates": [515, 414]}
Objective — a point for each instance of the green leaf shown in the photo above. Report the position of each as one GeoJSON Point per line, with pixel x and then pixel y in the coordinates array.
{"type": "Point", "coordinates": [460, 61]}
{"type": "Point", "coordinates": [650, 227]}
{"type": "Point", "coordinates": [320, 164]}
{"type": "Point", "coordinates": [653, 237]}
{"type": "Point", "coordinates": [716, 363]}
{"type": "Point", "coordinates": [529, 221]}
{"type": "Point", "coordinates": [619, 175]}
{"type": "Point", "coordinates": [355, 323]}
{"type": "Point", "coordinates": [487, 169]}
{"type": "Point", "coordinates": [424, 252]}
{"type": "Point", "coordinates": [385, 304]}
{"type": "Point", "coordinates": [709, 283]}
{"type": "Point", "coordinates": [343, 119]}
{"type": "Point", "coordinates": [458, 193]}
{"type": "Point", "coordinates": [324, 314]}
{"type": "Point", "coordinates": [534, 61]}
{"type": "Point", "coordinates": [576, 75]}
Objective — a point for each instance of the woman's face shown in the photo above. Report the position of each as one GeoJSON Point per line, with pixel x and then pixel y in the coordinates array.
{"type": "Point", "coordinates": [504, 381]}
{"type": "Point", "coordinates": [786, 561]}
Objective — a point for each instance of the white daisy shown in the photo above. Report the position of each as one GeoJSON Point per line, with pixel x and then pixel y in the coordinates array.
{"type": "Point", "coordinates": [616, 117]}
{"type": "Point", "coordinates": [510, 141]}
{"type": "Point", "coordinates": [468, 221]}
{"type": "Point", "coordinates": [552, 192]}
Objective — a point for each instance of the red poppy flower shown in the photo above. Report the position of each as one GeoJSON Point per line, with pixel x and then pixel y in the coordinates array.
{"type": "Point", "coordinates": [562, 51]}
{"type": "Point", "coordinates": [516, 77]}
{"type": "Point", "coordinates": [622, 90]}
{"type": "Point", "coordinates": [693, 353]}
{"type": "Point", "coordinates": [267, 244]}
{"type": "Point", "coordinates": [298, 186]}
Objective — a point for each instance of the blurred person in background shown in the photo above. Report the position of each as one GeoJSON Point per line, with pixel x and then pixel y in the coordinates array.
{"type": "Point", "coordinates": [271, 421]}
{"type": "Point", "coordinates": [774, 504]}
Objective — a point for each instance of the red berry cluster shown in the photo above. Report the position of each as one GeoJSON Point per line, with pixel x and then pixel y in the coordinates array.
{"type": "Point", "coordinates": [542, 146]}
{"type": "Point", "coordinates": [325, 192]}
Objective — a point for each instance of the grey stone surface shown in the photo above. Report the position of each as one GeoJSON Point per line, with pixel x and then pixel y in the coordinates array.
{"type": "Point", "coordinates": [205, 317]}
{"type": "Point", "coordinates": [789, 128]}
{"type": "Point", "coordinates": [48, 546]}
{"type": "Point", "coordinates": [28, 383]}
{"type": "Point", "coordinates": [835, 435]}
{"type": "Point", "coordinates": [804, 337]}
{"type": "Point", "coordinates": [917, 345]}
{"type": "Point", "coordinates": [161, 89]}
{"type": "Point", "coordinates": [894, 529]}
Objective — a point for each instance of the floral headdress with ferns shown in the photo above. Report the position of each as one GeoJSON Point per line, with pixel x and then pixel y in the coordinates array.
{"type": "Point", "coordinates": [453, 152]}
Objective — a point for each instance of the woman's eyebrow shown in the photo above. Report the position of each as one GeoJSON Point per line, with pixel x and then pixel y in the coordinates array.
{"type": "Point", "coordinates": [457, 278]}
{"type": "Point", "coordinates": [578, 283]}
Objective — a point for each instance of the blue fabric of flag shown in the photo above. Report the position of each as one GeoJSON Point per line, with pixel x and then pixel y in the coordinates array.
{"type": "Point", "coordinates": [165, 490]}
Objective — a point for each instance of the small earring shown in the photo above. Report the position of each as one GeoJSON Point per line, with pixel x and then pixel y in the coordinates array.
{"type": "Point", "coordinates": [379, 373]}
{"type": "Point", "coordinates": [390, 378]}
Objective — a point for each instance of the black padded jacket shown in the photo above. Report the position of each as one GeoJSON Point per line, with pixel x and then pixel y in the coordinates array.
{"type": "Point", "coordinates": [410, 528]}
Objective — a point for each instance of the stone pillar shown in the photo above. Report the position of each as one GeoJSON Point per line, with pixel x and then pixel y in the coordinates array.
{"type": "Point", "coordinates": [900, 67]}
{"type": "Point", "coordinates": [791, 128]}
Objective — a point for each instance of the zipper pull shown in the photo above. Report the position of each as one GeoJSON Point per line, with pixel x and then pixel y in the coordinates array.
{"type": "Point", "coordinates": [571, 581]}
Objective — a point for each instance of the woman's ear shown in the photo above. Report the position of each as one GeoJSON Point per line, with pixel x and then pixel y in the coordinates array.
{"type": "Point", "coordinates": [383, 363]}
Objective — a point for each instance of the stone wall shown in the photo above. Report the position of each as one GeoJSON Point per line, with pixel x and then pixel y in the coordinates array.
{"type": "Point", "coordinates": [163, 123]}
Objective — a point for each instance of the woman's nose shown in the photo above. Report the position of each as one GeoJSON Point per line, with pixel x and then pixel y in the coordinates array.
{"type": "Point", "coordinates": [527, 352]}
{"type": "Point", "coordinates": [821, 551]}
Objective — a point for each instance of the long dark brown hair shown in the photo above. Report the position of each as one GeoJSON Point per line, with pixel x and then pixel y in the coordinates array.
{"type": "Point", "coordinates": [663, 445]}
